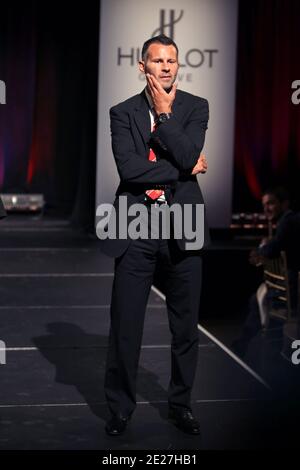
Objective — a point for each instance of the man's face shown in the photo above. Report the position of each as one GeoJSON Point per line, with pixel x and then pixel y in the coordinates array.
{"type": "Point", "coordinates": [273, 208]}
{"type": "Point", "coordinates": [162, 62]}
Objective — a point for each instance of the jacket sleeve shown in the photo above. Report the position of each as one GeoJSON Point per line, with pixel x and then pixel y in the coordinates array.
{"type": "Point", "coordinates": [184, 143]}
{"type": "Point", "coordinates": [132, 167]}
{"type": "Point", "coordinates": [278, 243]}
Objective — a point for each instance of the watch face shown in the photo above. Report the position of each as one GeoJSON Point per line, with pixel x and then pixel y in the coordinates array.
{"type": "Point", "coordinates": [163, 117]}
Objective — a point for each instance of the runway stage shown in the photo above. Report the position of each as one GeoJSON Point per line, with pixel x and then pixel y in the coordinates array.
{"type": "Point", "coordinates": [55, 288]}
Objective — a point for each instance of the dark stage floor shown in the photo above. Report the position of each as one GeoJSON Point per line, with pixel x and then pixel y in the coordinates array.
{"type": "Point", "coordinates": [55, 290]}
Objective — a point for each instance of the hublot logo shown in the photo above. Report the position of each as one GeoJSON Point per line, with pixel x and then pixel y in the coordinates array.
{"type": "Point", "coordinates": [193, 58]}
{"type": "Point", "coordinates": [2, 92]}
{"type": "Point", "coordinates": [167, 28]}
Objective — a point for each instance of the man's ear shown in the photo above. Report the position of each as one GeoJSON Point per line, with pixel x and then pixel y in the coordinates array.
{"type": "Point", "coordinates": [142, 66]}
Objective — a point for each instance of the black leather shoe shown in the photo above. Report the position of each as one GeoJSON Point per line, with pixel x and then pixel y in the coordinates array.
{"type": "Point", "coordinates": [116, 425]}
{"type": "Point", "coordinates": [184, 420]}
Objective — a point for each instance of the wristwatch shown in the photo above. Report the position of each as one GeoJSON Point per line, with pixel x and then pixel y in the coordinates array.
{"type": "Point", "coordinates": [163, 117]}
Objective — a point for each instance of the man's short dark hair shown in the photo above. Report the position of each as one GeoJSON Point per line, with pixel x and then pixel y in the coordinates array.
{"type": "Point", "coordinates": [279, 192]}
{"type": "Point", "coordinates": [161, 39]}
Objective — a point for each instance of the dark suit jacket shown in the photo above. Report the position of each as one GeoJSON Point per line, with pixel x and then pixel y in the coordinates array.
{"type": "Point", "coordinates": [177, 144]}
{"type": "Point", "coordinates": [2, 210]}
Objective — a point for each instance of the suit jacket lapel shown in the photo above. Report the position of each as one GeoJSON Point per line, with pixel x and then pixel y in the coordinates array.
{"type": "Point", "coordinates": [142, 119]}
{"type": "Point", "coordinates": [176, 108]}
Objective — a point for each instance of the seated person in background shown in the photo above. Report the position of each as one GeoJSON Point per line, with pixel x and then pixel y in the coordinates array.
{"type": "Point", "coordinates": [276, 205]}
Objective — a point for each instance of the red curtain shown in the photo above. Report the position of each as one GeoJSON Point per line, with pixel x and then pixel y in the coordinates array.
{"type": "Point", "coordinates": [27, 120]}
{"type": "Point", "coordinates": [267, 132]}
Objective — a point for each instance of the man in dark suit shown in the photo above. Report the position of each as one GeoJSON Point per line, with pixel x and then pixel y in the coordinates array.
{"type": "Point", "coordinates": [157, 137]}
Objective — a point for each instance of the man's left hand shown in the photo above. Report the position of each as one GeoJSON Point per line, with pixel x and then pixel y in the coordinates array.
{"type": "Point", "coordinates": [201, 165]}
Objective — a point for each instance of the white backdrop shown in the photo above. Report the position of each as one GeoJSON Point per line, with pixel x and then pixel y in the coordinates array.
{"type": "Point", "coordinates": [206, 34]}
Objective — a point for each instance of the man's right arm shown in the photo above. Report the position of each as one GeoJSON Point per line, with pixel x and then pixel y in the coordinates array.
{"type": "Point", "coordinates": [278, 243]}
{"type": "Point", "coordinates": [132, 167]}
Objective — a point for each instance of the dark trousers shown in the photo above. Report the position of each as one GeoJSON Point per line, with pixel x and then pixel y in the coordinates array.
{"type": "Point", "coordinates": [134, 272]}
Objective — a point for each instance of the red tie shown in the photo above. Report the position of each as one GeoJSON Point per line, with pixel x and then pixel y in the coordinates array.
{"type": "Point", "coordinates": [153, 193]}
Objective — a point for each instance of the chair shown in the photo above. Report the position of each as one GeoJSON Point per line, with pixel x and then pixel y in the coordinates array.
{"type": "Point", "coordinates": [275, 307]}
{"type": "Point", "coordinates": [291, 331]}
